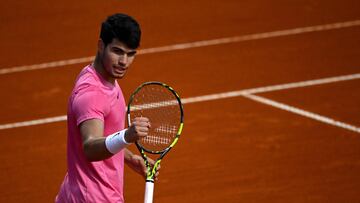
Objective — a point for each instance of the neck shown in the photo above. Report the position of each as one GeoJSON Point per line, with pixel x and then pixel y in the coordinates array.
{"type": "Point", "coordinates": [100, 69]}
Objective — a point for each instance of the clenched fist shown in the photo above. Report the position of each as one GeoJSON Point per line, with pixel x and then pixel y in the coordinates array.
{"type": "Point", "coordinates": [138, 129]}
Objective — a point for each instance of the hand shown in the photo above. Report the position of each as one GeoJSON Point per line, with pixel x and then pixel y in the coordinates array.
{"type": "Point", "coordinates": [138, 129]}
{"type": "Point", "coordinates": [138, 165]}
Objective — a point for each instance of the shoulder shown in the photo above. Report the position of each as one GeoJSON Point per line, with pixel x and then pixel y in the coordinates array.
{"type": "Point", "coordinates": [89, 103]}
{"type": "Point", "coordinates": [86, 80]}
{"type": "Point", "coordinates": [88, 92]}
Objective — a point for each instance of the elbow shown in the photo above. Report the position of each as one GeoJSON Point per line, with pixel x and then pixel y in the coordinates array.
{"type": "Point", "coordinates": [88, 152]}
{"type": "Point", "coordinates": [95, 150]}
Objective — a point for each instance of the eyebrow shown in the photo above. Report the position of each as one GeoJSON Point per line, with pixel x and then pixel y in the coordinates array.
{"type": "Point", "coordinates": [132, 52]}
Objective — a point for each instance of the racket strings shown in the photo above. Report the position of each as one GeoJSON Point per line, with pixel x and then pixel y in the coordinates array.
{"type": "Point", "coordinates": [155, 140]}
{"type": "Point", "coordinates": [160, 105]}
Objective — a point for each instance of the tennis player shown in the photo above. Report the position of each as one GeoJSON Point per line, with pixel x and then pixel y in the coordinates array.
{"type": "Point", "coordinates": [97, 138]}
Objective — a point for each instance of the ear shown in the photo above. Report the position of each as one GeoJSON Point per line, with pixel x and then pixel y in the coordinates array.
{"type": "Point", "coordinates": [101, 46]}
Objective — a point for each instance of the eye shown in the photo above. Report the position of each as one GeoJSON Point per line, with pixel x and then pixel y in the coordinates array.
{"type": "Point", "coordinates": [122, 52]}
{"type": "Point", "coordinates": [119, 51]}
{"type": "Point", "coordinates": [131, 53]}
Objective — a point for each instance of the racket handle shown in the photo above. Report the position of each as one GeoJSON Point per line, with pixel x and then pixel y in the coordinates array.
{"type": "Point", "coordinates": [149, 191]}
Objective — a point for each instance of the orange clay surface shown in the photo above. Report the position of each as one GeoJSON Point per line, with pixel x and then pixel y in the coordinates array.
{"type": "Point", "coordinates": [232, 149]}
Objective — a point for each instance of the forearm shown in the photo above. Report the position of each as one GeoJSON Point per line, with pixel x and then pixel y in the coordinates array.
{"type": "Point", "coordinates": [95, 149]}
{"type": "Point", "coordinates": [128, 156]}
{"type": "Point", "coordinates": [100, 148]}
{"type": "Point", "coordinates": [96, 146]}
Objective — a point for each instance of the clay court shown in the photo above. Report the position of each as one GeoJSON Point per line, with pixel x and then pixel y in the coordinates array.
{"type": "Point", "coordinates": [271, 92]}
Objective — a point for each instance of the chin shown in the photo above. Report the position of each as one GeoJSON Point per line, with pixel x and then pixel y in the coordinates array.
{"type": "Point", "coordinates": [118, 76]}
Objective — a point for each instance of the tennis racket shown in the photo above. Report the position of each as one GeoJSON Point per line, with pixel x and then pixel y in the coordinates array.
{"type": "Point", "coordinates": [162, 106]}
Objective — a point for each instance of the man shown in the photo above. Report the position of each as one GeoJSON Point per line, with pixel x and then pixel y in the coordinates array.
{"type": "Point", "coordinates": [97, 140]}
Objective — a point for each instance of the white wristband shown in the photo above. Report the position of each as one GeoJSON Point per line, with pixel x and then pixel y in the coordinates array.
{"type": "Point", "coordinates": [116, 142]}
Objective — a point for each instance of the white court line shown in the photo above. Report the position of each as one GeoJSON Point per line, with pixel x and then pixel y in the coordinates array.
{"type": "Point", "coordinates": [210, 97]}
{"type": "Point", "coordinates": [304, 113]}
{"type": "Point", "coordinates": [204, 43]}
{"type": "Point", "coordinates": [33, 122]}
{"type": "Point", "coordinates": [271, 88]}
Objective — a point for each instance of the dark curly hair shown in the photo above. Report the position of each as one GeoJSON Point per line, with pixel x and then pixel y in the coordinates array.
{"type": "Point", "coordinates": [123, 28]}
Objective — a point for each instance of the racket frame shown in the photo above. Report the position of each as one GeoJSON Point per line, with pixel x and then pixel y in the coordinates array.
{"type": "Point", "coordinates": [150, 176]}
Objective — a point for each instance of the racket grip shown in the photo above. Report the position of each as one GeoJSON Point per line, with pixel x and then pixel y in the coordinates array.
{"type": "Point", "coordinates": [149, 191]}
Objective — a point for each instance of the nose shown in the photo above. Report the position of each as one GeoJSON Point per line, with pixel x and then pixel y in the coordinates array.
{"type": "Point", "coordinates": [124, 59]}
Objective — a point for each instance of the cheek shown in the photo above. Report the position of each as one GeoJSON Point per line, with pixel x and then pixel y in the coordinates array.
{"type": "Point", "coordinates": [108, 59]}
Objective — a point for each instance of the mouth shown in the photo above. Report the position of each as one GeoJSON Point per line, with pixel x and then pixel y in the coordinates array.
{"type": "Point", "coordinates": [119, 69]}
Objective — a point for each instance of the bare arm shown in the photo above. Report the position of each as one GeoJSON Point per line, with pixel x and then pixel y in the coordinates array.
{"type": "Point", "coordinates": [95, 149]}
{"type": "Point", "coordinates": [128, 155]}
{"type": "Point", "coordinates": [136, 163]}
{"type": "Point", "coordinates": [93, 139]}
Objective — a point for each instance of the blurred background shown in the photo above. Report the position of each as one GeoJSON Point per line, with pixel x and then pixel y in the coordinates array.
{"type": "Point", "coordinates": [297, 143]}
